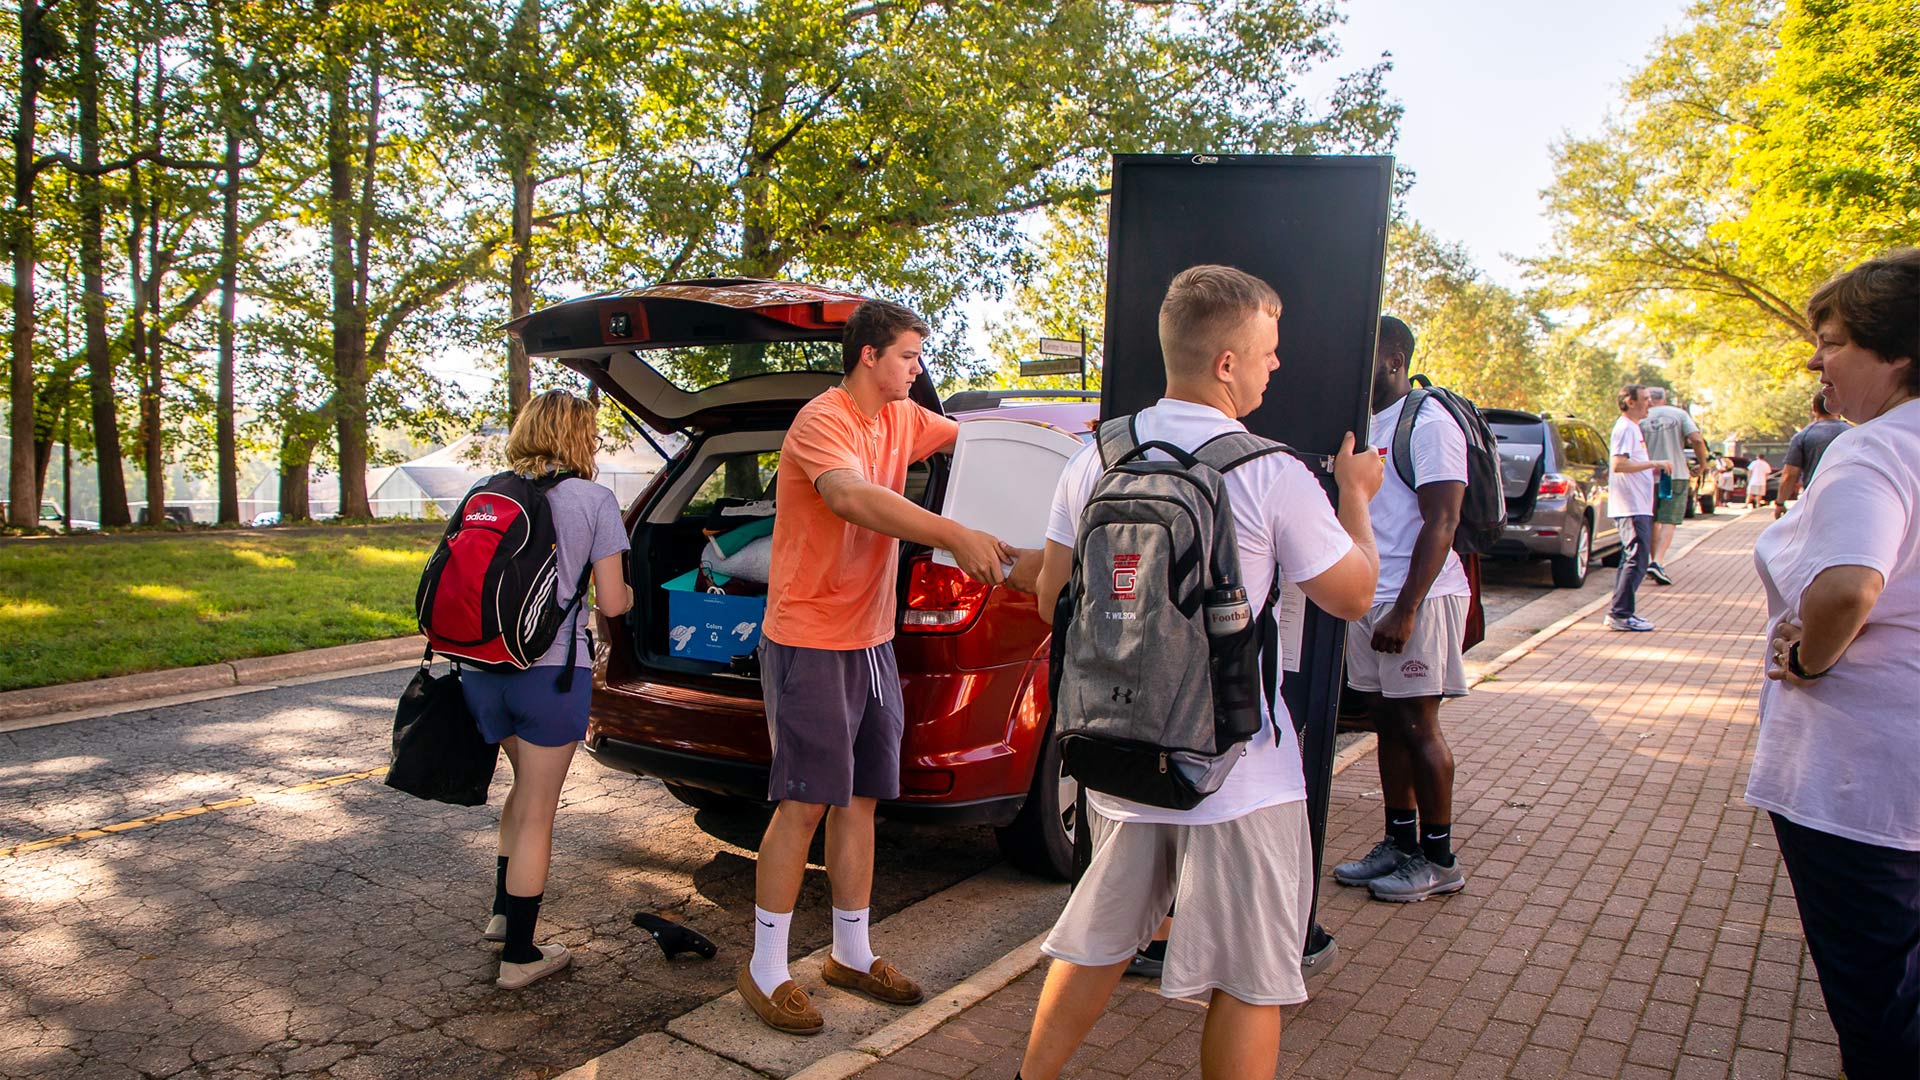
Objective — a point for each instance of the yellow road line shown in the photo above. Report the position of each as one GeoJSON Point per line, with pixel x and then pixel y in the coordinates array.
{"type": "Point", "coordinates": [191, 811]}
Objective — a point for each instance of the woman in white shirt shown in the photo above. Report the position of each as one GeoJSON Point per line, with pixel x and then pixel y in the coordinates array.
{"type": "Point", "coordinates": [1838, 760]}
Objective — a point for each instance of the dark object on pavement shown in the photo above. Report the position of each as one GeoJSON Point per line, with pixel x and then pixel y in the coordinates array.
{"type": "Point", "coordinates": [672, 937]}
{"type": "Point", "coordinates": [438, 752]}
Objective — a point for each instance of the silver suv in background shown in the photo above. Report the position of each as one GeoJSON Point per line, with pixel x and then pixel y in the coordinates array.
{"type": "Point", "coordinates": [1554, 469]}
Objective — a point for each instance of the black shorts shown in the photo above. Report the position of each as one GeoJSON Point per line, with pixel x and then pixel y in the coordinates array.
{"type": "Point", "coordinates": [835, 718]}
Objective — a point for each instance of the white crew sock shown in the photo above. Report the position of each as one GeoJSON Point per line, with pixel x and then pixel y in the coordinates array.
{"type": "Point", "coordinates": [850, 945]}
{"type": "Point", "coordinates": [769, 964]}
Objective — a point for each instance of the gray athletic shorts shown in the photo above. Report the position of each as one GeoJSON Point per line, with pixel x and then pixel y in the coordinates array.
{"type": "Point", "coordinates": [1430, 664]}
{"type": "Point", "coordinates": [1243, 890]}
{"type": "Point", "coordinates": [835, 719]}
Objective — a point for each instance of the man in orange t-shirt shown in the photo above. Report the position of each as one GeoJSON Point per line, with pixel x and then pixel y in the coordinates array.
{"type": "Point", "coordinates": [826, 655]}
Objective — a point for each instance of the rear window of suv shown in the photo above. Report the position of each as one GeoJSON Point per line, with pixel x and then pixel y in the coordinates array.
{"type": "Point", "coordinates": [698, 367]}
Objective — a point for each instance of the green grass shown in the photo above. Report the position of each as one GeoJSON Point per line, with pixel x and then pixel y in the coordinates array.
{"type": "Point", "coordinates": [88, 609]}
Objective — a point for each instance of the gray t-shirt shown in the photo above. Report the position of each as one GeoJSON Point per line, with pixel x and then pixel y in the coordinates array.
{"type": "Point", "coordinates": [587, 528]}
{"type": "Point", "coordinates": [1666, 429]}
{"type": "Point", "coordinates": [1807, 444]}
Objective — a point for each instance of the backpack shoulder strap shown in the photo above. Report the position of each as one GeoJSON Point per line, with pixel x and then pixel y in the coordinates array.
{"type": "Point", "coordinates": [1403, 433]}
{"type": "Point", "coordinates": [1228, 451]}
{"type": "Point", "coordinates": [1117, 438]}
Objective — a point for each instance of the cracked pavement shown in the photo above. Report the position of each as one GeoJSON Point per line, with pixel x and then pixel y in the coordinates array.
{"type": "Point", "coordinates": [336, 932]}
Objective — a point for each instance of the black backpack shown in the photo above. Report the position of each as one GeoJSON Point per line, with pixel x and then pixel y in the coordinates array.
{"type": "Point", "coordinates": [1483, 510]}
{"type": "Point", "coordinates": [488, 596]}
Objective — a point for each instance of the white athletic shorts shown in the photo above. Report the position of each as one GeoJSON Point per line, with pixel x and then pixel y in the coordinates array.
{"type": "Point", "coordinates": [1242, 891]}
{"type": "Point", "coordinates": [1429, 666]}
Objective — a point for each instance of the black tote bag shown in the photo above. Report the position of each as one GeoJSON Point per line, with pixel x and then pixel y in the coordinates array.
{"type": "Point", "coordinates": [438, 753]}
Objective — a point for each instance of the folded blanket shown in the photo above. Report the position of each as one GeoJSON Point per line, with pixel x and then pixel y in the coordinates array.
{"type": "Point", "coordinates": [753, 560]}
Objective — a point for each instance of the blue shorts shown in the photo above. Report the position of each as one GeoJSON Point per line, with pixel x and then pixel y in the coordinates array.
{"type": "Point", "coordinates": [528, 704]}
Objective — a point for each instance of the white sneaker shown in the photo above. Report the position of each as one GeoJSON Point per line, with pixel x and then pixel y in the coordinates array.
{"type": "Point", "coordinates": [496, 929]}
{"type": "Point", "coordinates": [553, 957]}
{"type": "Point", "coordinates": [1631, 622]}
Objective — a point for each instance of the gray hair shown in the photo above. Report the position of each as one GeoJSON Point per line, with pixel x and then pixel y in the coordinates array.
{"type": "Point", "coordinates": [1657, 394]}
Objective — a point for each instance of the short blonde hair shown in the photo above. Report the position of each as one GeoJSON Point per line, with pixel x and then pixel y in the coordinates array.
{"type": "Point", "coordinates": [557, 432]}
{"type": "Point", "coordinates": [1205, 308]}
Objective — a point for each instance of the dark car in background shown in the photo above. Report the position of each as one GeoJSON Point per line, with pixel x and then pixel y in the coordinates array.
{"type": "Point", "coordinates": [1554, 469]}
{"type": "Point", "coordinates": [723, 366]}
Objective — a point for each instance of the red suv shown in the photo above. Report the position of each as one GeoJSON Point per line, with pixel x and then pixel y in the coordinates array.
{"type": "Point", "coordinates": [717, 369]}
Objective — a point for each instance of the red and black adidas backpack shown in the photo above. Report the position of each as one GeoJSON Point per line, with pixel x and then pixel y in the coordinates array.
{"type": "Point", "coordinates": [489, 594]}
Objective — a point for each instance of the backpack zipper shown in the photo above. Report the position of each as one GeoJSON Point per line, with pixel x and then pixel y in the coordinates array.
{"type": "Point", "coordinates": [1163, 762]}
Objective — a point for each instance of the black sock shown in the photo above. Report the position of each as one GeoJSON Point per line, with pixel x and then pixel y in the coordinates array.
{"type": "Point", "coordinates": [1436, 843]}
{"type": "Point", "coordinates": [522, 913]}
{"type": "Point", "coordinates": [1401, 830]}
{"type": "Point", "coordinates": [500, 886]}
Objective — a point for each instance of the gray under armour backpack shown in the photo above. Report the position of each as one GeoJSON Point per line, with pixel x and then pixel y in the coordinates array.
{"type": "Point", "coordinates": [1147, 704]}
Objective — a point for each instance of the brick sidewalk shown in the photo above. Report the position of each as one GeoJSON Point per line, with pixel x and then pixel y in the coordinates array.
{"type": "Point", "coordinates": [1626, 914]}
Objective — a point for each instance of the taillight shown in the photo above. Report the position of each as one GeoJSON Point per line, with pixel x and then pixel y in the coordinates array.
{"type": "Point", "coordinates": [1553, 486]}
{"type": "Point", "coordinates": [941, 599]}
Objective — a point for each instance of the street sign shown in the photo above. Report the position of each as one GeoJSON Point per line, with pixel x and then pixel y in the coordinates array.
{"type": "Point", "coordinates": [1065, 366]}
{"type": "Point", "coordinates": [1053, 346]}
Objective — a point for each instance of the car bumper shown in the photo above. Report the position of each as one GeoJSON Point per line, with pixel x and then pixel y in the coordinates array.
{"type": "Point", "coordinates": [747, 780]}
{"type": "Point", "coordinates": [1529, 540]}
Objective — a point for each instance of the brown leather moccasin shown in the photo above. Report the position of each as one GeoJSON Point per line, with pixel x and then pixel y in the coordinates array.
{"type": "Point", "coordinates": [789, 1010]}
{"type": "Point", "coordinates": [882, 982]}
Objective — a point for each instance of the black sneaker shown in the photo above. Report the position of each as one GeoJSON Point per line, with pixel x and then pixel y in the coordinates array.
{"type": "Point", "coordinates": [1320, 953]}
{"type": "Point", "coordinates": [1145, 965]}
{"type": "Point", "coordinates": [1659, 574]}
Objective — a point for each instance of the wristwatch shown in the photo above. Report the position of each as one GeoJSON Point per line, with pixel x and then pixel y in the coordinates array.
{"type": "Point", "coordinates": [1793, 665]}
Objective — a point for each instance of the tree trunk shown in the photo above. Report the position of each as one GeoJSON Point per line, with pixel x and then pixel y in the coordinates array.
{"type": "Point", "coordinates": [227, 448]}
{"type": "Point", "coordinates": [520, 301]}
{"type": "Point", "coordinates": [523, 42]}
{"type": "Point", "coordinates": [93, 289]}
{"type": "Point", "coordinates": [294, 478]}
{"type": "Point", "coordinates": [349, 269]}
{"type": "Point", "coordinates": [23, 509]}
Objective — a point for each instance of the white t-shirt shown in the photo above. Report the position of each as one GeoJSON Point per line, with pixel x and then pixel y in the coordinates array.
{"type": "Point", "coordinates": [1439, 453]}
{"type": "Point", "coordinates": [1283, 522]}
{"type": "Point", "coordinates": [1757, 473]}
{"type": "Point", "coordinates": [1843, 754]}
{"type": "Point", "coordinates": [1629, 494]}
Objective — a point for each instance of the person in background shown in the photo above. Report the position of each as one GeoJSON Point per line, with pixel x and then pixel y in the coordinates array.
{"type": "Point", "coordinates": [538, 724]}
{"type": "Point", "coordinates": [1804, 450]}
{"type": "Point", "coordinates": [1405, 654]}
{"type": "Point", "coordinates": [1758, 470]}
{"type": "Point", "coordinates": [1669, 431]}
{"type": "Point", "coordinates": [1630, 505]}
{"type": "Point", "coordinates": [1837, 763]}
{"type": "Point", "coordinates": [1724, 481]}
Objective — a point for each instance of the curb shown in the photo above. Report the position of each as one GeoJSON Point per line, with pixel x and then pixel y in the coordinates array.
{"type": "Point", "coordinates": [44, 704]}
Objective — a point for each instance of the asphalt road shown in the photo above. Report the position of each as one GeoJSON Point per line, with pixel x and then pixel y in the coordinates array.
{"type": "Point", "coordinates": [335, 931]}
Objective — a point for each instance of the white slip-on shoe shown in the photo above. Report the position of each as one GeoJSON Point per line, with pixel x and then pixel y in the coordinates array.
{"type": "Point", "coordinates": [496, 929]}
{"type": "Point", "coordinates": [553, 957]}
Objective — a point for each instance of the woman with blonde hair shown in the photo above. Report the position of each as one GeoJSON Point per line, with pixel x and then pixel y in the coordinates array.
{"type": "Point", "coordinates": [528, 713]}
{"type": "Point", "coordinates": [1838, 759]}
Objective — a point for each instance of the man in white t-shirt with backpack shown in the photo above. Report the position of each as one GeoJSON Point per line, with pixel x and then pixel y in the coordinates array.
{"type": "Point", "coordinates": [1240, 862]}
{"type": "Point", "coordinates": [1405, 654]}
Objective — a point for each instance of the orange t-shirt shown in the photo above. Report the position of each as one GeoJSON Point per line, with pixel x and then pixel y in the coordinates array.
{"type": "Point", "coordinates": [834, 582]}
